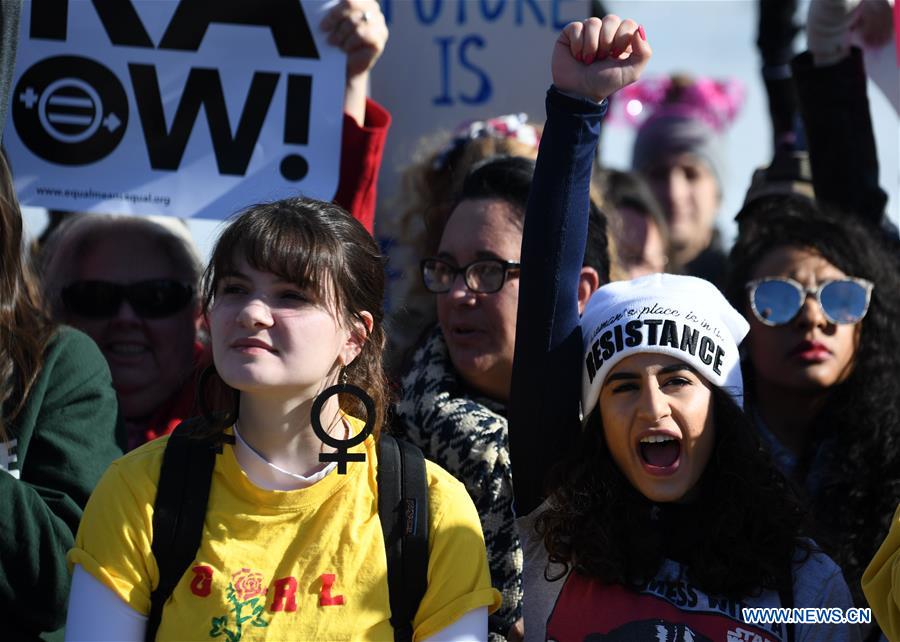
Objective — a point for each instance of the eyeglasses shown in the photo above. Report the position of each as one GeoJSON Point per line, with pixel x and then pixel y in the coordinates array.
{"type": "Point", "coordinates": [152, 299]}
{"type": "Point", "coordinates": [777, 301]}
{"type": "Point", "coordinates": [483, 276]}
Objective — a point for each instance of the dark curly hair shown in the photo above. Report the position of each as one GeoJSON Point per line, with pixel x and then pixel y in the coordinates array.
{"type": "Point", "coordinates": [852, 511]}
{"type": "Point", "coordinates": [310, 243]}
{"type": "Point", "coordinates": [737, 538]}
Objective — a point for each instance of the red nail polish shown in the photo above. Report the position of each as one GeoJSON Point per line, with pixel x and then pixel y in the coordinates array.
{"type": "Point", "coordinates": [642, 33]}
{"type": "Point", "coordinates": [615, 53]}
{"type": "Point", "coordinates": [589, 59]}
{"type": "Point", "coordinates": [578, 57]}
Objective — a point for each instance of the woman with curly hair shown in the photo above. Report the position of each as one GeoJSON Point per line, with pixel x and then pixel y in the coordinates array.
{"type": "Point", "coordinates": [429, 191]}
{"type": "Point", "coordinates": [662, 517]}
{"type": "Point", "coordinates": [821, 296]}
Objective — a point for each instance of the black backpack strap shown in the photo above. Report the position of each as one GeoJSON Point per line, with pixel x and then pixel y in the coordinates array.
{"type": "Point", "coordinates": [178, 512]}
{"type": "Point", "coordinates": [403, 510]}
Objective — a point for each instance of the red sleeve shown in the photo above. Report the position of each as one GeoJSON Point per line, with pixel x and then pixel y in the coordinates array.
{"type": "Point", "coordinates": [361, 152]}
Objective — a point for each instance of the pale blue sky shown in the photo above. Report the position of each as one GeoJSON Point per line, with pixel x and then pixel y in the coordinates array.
{"type": "Point", "coordinates": [711, 37]}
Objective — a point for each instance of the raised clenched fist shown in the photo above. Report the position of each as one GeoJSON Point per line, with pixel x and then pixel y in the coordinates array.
{"type": "Point", "coordinates": [596, 57]}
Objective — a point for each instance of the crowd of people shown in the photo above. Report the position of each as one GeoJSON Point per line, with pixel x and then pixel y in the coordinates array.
{"type": "Point", "coordinates": [585, 418]}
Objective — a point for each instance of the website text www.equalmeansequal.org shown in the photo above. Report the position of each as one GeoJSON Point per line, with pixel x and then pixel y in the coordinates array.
{"type": "Point", "coordinates": [96, 195]}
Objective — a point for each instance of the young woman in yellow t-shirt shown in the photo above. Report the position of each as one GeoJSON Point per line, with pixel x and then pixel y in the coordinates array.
{"type": "Point", "coordinates": [290, 548]}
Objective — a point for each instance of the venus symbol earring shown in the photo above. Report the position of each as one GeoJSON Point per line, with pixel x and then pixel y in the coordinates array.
{"type": "Point", "coordinates": [342, 446]}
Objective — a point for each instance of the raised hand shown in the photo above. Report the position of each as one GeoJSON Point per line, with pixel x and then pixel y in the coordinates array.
{"type": "Point", "coordinates": [874, 23]}
{"type": "Point", "coordinates": [595, 58]}
{"type": "Point", "coordinates": [358, 28]}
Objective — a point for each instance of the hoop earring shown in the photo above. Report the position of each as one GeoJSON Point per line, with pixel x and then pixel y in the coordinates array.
{"type": "Point", "coordinates": [342, 446]}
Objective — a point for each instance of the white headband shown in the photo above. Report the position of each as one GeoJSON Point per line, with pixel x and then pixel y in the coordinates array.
{"type": "Point", "coordinates": [682, 316]}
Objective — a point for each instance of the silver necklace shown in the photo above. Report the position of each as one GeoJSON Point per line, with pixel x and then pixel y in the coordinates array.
{"type": "Point", "coordinates": [268, 463]}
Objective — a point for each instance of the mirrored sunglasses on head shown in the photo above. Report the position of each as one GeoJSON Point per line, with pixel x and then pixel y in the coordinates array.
{"type": "Point", "coordinates": [483, 276]}
{"type": "Point", "coordinates": [152, 299]}
{"type": "Point", "coordinates": [776, 301]}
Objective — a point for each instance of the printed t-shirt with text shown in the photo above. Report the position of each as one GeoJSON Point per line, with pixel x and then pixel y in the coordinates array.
{"type": "Point", "coordinates": [303, 564]}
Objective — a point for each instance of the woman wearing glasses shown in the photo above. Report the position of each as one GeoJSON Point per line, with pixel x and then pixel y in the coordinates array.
{"type": "Point", "coordinates": [454, 395]}
{"type": "Point", "coordinates": [57, 436]}
{"type": "Point", "coordinates": [821, 296]}
{"type": "Point", "coordinates": [647, 509]}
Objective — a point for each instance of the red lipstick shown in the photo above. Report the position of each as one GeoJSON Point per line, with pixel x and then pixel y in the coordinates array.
{"type": "Point", "coordinates": [810, 351]}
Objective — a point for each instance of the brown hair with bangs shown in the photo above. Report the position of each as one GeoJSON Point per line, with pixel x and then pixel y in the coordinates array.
{"type": "Point", "coordinates": [323, 249]}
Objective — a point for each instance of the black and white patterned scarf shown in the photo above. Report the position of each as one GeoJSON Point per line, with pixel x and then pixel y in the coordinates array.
{"type": "Point", "coordinates": [467, 436]}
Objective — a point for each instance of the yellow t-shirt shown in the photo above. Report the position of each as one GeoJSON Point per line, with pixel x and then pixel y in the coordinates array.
{"type": "Point", "coordinates": [306, 564]}
{"type": "Point", "coordinates": [881, 582]}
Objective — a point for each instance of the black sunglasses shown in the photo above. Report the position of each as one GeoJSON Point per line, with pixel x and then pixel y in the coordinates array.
{"type": "Point", "coordinates": [776, 301]}
{"type": "Point", "coordinates": [152, 299]}
{"type": "Point", "coordinates": [484, 276]}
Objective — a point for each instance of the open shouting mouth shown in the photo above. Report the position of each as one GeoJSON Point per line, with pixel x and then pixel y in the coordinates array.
{"type": "Point", "coordinates": [660, 453]}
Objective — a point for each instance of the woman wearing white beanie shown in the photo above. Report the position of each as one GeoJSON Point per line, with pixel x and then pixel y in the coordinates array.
{"type": "Point", "coordinates": [647, 510]}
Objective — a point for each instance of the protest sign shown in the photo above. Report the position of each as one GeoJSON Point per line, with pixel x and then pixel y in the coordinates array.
{"type": "Point", "coordinates": [463, 60]}
{"type": "Point", "coordinates": [189, 108]}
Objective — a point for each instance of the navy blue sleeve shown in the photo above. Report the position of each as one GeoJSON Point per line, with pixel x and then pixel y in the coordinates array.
{"type": "Point", "coordinates": [544, 405]}
{"type": "Point", "coordinates": [840, 136]}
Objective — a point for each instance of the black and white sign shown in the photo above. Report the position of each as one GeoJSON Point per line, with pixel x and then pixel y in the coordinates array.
{"type": "Point", "coordinates": [188, 108]}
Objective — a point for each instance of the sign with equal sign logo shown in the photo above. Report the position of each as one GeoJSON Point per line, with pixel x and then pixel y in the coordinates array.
{"type": "Point", "coordinates": [190, 109]}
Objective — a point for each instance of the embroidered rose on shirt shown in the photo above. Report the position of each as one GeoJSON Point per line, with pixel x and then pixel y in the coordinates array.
{"type": "Point", "coordinates": [247, 584]}
{"type": "Point", "coordinates": [244, 592]}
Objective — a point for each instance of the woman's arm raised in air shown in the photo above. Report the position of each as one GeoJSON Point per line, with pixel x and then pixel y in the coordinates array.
{"type": "Point", "coordinates": [358, 28]}
{"type": "Point", "coordinates": [591, 60]}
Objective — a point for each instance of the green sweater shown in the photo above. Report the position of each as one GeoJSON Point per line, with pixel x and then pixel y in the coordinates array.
{"type": "Point", "coordinates": [60, 444]}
